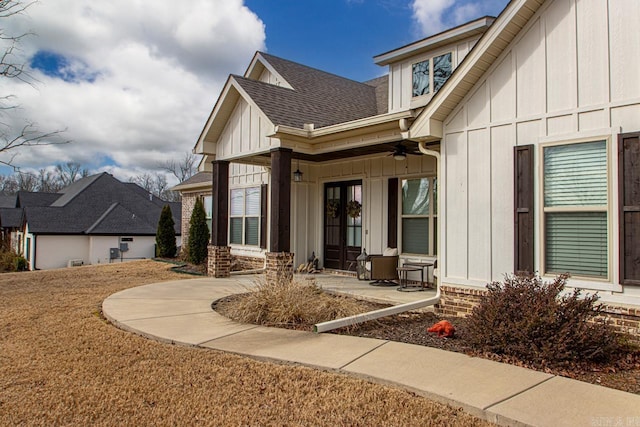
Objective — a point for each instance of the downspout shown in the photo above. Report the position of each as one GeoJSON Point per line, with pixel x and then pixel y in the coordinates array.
{"type": "Point", "coordinates": [396, 309]}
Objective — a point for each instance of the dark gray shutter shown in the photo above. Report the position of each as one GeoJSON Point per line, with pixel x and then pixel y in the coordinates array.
{"type": "Point", "coordinates": [629, 204]}
{"type": "Point", "coordinates": [264, 195]}
{"type": "Point", "coordinates": [392, 233]}
{"type": "Point", "coordinates": [523, 208]}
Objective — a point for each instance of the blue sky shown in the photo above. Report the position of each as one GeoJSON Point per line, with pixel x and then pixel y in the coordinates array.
{"type": "Point", "coordinates": [343, 36]}
{"type": "Point", "coordinates": [133, 90]}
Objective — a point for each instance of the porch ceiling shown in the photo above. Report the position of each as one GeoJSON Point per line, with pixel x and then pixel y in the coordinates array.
{"type": "Point", "coordinates": [264, 159]}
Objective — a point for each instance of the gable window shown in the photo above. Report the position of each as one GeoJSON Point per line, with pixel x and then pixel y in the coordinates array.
{"type": "Point", "coordinates": [419, 219]}
{"type": "Point", "coordinates": [422, 76]}
{"type": "Point", "coordinates": [576, 209]}
{"type": "Point", "coordinates": [244, 216]}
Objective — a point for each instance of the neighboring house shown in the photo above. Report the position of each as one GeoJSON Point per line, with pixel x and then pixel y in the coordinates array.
{"type": "Point", "coordinates": [95, 220]}
{"type": "Point", "coordinates": [529, 125]}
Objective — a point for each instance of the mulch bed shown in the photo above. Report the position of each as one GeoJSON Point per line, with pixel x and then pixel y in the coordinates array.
{"type": "Point", "coordinates": [622, 373]}
{"type": "Point", "coordinates": [411, 328]}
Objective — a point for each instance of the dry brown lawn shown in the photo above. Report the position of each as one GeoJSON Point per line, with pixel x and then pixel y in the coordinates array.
{"type": "Point", "coordinates": [61, 363]}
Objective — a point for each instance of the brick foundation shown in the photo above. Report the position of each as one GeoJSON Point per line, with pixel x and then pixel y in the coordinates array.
{"type": "Point", "coordinates": [219, 261]}
{"type": "Point", "coordinates": [459, 302]}
{"type": "Point", "coordinates": [242, 263]}
{"type": "Point", "coordinates": [279, 267]}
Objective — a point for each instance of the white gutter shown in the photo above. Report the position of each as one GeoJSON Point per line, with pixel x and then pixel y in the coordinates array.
{"type": "Point", "coordinates": [383, 312]}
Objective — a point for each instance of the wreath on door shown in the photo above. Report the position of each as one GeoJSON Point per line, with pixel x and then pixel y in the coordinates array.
{"type": "Point", "coordinates": [332, 208]}
{"type": "Point", "coordinates": [354, 208]}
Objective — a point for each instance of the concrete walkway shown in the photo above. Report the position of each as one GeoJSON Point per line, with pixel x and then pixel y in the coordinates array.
{"type": "Point", "coordinates": [180, 312]}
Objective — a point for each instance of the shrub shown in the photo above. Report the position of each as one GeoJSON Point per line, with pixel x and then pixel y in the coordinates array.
{"type": "Point", "coordinates": [290, 302]}
{"type": "Point", "coordinates": [198, 234]}
{"type": "Point", "coordinates": [11, 261]}
{"type": "Point", "coordinates": [535, 322]}
{"type": "Point", "coordinates": [166, 234]}
{"type": "Point", "coordinates": [20, 263]}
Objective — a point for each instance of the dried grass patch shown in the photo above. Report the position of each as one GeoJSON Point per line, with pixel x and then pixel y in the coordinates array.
{"type": "Point", "coordinates": [298, 304]}
{"type": "Point", "coordinates": [63, 364]}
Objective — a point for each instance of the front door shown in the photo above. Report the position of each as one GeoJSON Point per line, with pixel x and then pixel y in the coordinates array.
{"type": "Point", "coordinates": [342, 224]}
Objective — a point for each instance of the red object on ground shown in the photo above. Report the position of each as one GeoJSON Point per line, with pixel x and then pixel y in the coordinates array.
{"type": "Point", "coordinates": [443, 328]}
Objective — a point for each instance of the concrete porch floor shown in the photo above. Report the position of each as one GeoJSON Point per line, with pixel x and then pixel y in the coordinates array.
{"type": "Point", "coordinates": [362, 289]}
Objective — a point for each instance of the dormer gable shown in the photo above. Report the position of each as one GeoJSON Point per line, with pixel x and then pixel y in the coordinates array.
{"type": "Point", "coordinates": [418, 70]}
{"type": "Point", "coordinates": [260, 69]}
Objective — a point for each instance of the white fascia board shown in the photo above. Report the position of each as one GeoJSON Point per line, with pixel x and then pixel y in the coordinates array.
{"type": "Point", "coordinates": [259, 59]}
{"type": "Point", "coordinates": [199, 147]}
{"type": "Point", "coordinates": [429, 43]}
{"type": "Point", "coordinates": [217, 114]}
{"type": "Point", "coordinates": [424, 124]}
{"type": "Point", "coordinates": [343, 127]}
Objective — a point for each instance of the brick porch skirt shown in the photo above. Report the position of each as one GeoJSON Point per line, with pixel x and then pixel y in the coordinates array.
{"type": "Point", "coordinates": [459, 302]}
{"type": "Point", "coordinates": [279, 266]}
{"type": "Point", "coordinates": [219, 261]}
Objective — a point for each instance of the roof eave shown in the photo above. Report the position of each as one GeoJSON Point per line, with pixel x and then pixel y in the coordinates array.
{"type": "Point", "coordinates": [428, 126]}
{"type": "Point", "coordinates": [351, 126]}
{"type": "Point", "coordinates": [463, 31]}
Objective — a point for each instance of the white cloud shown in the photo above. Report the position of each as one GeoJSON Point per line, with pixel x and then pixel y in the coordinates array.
{"type": "Point", "coordinates": [146, 75]}
{"type": "Point", "coordinates": [434, 16]}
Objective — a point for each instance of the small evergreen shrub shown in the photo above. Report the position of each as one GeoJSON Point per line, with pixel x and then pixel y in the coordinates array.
{"type": "Point", "coordinates": [535, 322]}
{"type": "Point", "coordinates": [20, 263]}
{"type": "Point", "coordinates": [198, 234]}
{"type": "Point", "coordinates": [11, 261]}
{"type": "Point", "coordinates": [166, 235]}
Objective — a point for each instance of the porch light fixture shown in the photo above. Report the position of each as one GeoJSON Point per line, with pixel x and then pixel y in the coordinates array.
{"type": "Point", "coordinates": [297, 175]}
{"type": "Point", "coordinates": [399, 156]}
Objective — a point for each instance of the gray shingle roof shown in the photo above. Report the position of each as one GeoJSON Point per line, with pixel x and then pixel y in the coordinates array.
{"type": "Point", "coordinates": [10, 217]}
{"type": "Point", "coordinates": [99, 204]}
{"type": "Point", "coordinates": [26, 199]}
{"type": "Point", "coordinates": [199, 178]}
{"type": "Point", "coordinates": [7, 201]}
{"type": "Point", "coordinates": [317, 97]}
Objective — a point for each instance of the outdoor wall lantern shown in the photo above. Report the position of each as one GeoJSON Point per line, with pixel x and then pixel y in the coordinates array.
{"type": "Point", "coordinates": [361, 265]}
{"type": "Point", "coordinates": [297, 175]}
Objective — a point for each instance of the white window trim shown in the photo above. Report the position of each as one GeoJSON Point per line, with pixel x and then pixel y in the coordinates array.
{"type": "Point", "coordinates": [577, 281]}
{"type": "Point", "coordinates": [244, 216]}
{"type": "Point", "coordinates": [433, 214]}
{"type": "Point", "coordinates": [421, 98]}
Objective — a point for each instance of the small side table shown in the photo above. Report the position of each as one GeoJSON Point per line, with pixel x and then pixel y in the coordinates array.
{"type": "Point", "coordinates": [403, 274]}
{"type": "Point", "coordinates": [422, 266]}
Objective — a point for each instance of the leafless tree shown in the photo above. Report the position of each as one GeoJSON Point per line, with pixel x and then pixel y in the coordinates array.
{"type": "Point", "coordinates": [12, 136]}
{"type": "Point", "coordinates": [70, 172]}
{"type": "Point", "coordinates": [48, 182]}
{"type": "Point", "coordinates": [182, 169]}
{"type": "Point", "coordinates": [27, 182]}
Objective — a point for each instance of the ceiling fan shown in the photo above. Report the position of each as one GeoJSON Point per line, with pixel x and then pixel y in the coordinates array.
{"type": "Point", "coordinates": [400, 151]}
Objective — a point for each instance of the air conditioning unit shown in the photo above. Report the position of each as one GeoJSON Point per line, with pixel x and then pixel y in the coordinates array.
{"type": "Point", "coordinates": [75, 263]}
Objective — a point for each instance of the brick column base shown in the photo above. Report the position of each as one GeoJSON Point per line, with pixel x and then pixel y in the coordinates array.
{"type": "Point", "coordinates": [279, 267]}
{"type": "Point", "coordinates": [219, 261]}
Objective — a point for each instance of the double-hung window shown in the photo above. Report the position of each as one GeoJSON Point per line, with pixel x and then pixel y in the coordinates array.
{"type": "Point", "coordinates": [576, 209]}
{"type": "Point", "coordinates": [419, 220]}
{"type": "Point", "coordinates": [424, 80]}
{"type": "Point", "coordinates": [244, 216]}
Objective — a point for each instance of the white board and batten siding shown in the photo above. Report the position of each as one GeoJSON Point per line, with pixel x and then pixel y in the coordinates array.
{"type": "Point", "coordinates": [572, 73]}
{"type": "Point", "coordinates": [374, 173]}
{"type": "Point", "coordinates": [401, 74]}
{"type": "Point", "coordinates": [245, 132]}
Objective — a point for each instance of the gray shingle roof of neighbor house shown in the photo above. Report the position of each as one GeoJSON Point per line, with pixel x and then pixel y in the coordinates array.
{"type": "Point", "coordinates": [198, 178]}
{"type": "Point", "coordinates": [7, 200]}
{"type": "Point", "coordinates": [26, 198]}
{"type": "Point", "coordinates": [99, 204]}
{"type": "Point", "coordinates": [317, 97]}
{"type": "Point", "coordinates": [10, 217]}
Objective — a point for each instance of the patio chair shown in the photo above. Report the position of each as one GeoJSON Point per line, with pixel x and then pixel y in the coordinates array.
{"type": "Point", "coordinates": [384, 268]}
